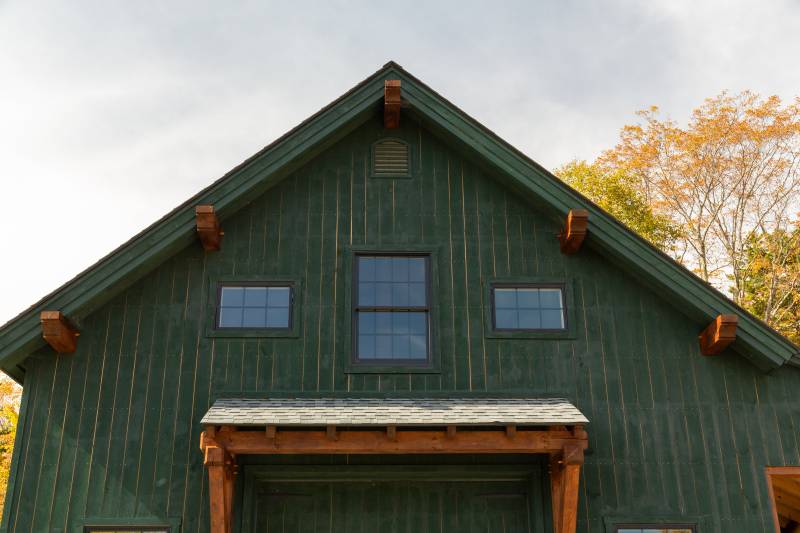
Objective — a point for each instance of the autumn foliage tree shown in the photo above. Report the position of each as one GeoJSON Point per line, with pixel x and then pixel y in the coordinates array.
{"type": "Point", "coordinates": [728, 179]}
{"type": "Point", "coordinates": [9, 415]}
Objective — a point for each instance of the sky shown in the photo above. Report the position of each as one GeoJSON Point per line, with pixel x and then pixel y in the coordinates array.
{"type": "Point", "coordinates": [112, 113]}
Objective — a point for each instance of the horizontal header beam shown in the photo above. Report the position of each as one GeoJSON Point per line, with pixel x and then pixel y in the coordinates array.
{"type": "Point", "coordinates": [394, 441]}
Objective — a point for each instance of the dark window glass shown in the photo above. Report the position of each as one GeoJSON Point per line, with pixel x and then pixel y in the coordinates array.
{"type": "Point", "coordinates": [528, 308]}
{"type": "Point", "coordinates": [391, 308]}
{"type": "Point", "coordinates": [256, 306]}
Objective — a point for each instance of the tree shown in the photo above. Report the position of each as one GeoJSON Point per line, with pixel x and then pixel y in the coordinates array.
{"type": "Point", "coordinates": [616, 191]}
{"type": "Point", "coordinates": [9, 415]}
{"type": "Point", "coordinates": [729, 177]}
{"type": "Point", "coordinates": [771, 283]}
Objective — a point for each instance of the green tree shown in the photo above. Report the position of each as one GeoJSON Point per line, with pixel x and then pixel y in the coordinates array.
{"type": "Point", "coordinates": [771, 283]}
{"type": "Point", "coordinates": [616, 192]}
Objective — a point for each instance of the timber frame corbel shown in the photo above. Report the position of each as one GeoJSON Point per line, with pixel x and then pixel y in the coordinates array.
{"type": "Point", "coordinates": [574, 231]}
{"type": "Point", "coordinates": [719, 334]}
{"type": "Point", "coordinates": [58, 332]}
{"type": "Point", "coordinates": [565, 445]}
{"type": "Point", "coordinates": [391, 104]}
{"type": "Point", "coordinates": [208, 228]}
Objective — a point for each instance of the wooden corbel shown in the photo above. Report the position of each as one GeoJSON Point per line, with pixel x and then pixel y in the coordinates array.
{"type": "Point", "coordinates": [571, 237]}
{"type": "Point", "coordinates": [391, 104]}
{"type": "Point", "coordinates": [331, 433]}
{"type": "Point", "coordinates": [565, 473]}
{"type": "Point", "coordinates": [208, 228]}
{"type": "Point", "coordinates": [58, 332]}
{"type": "Point", "coordinates": [719, 334]}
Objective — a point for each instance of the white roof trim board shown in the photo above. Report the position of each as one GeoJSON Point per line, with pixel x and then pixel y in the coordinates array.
{"type": "Point", "coordinates": [394, 411]}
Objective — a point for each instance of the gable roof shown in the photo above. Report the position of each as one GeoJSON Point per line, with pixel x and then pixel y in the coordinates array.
{"type": "Point", "coordinates": [762, 345]}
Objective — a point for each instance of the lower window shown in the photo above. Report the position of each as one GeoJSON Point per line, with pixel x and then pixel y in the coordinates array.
{"type": "Point", "coordinates": [651, 528]}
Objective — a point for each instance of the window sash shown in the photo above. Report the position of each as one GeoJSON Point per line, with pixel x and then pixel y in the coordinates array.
{"type": "Point", "coordinates": [358, 309]}
{"type": "Point", "coordinates": [563, 309]}
{"type": "Point", "coordinates": [245, 285]}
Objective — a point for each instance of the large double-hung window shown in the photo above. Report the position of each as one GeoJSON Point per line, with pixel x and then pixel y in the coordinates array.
{"type": "Point", "coordinates": [391, 311]}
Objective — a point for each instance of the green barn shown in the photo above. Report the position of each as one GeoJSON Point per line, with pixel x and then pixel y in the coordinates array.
{"type": "Point", "coordinates": [391, 320]}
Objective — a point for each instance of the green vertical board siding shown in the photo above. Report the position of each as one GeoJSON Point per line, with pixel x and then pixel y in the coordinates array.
{"type": "Point", "coordinates": [112, 430]}
{"type": "Point", "coordinates": [369, 506]}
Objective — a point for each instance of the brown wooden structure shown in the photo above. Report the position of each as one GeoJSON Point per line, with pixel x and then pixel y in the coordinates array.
{"type": "Point", "coordinates": [564, 445]}
{"type": "Point", "coordinates": [571, 237]}
{"type": "Point", "coordinates": [784, 490]}
{"type": "Point", "coordinates": [208, 228]}
{"type": "Point", "coordinates": [719, 334]}
{"type": "Point", "coordinates": [391, 104]}
{"type": "Point", "coordinates": [58, 332]}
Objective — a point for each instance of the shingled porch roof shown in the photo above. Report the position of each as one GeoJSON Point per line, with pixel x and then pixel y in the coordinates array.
{"type": "Point", "coordinates": [395, 411]}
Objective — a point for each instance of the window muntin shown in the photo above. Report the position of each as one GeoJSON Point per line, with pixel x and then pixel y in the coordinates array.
{"type": "Point", "coordinates": [392, 308]}
{"type": "Point", "coordinates": [255, 306]}
{"type": "Point", "coordinates": [528, 308]}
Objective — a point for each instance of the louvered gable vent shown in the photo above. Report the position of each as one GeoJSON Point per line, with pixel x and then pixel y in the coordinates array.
{"type": "Point", "coordinates": [390, 158]}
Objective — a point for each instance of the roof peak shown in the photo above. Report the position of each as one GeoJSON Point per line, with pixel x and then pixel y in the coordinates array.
{"type": "Point", "coordinates": [393, 64]}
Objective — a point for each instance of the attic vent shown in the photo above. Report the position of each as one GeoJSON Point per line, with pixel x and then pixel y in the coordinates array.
{"type": "Point", "coordinates": [390, 158]}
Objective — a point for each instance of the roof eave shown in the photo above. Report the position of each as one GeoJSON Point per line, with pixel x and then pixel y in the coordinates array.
{"type": "Point", "coordinates": [756, 341]}
{"type": "Point", "coordinates": [110, 275]}
{"type": "Point", "coordinates": [18, 338]}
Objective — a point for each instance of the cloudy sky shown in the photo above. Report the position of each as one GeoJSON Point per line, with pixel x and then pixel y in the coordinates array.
{"type": "Point", "coordinates": [112, 113]}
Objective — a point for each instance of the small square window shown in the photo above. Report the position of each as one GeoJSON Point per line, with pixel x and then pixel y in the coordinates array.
{"type": "Point", "coordinates": [528, 308]}
{"type": "Point", "coordinates": [264, 306]}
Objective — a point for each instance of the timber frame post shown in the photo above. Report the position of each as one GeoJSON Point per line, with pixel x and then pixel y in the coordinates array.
{"type": "Point", "coordinates": [565, 472]}
{"type": "Point", "coordinates": [222, 470]}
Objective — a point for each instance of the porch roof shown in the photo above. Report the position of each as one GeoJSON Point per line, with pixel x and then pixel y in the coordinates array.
{"type": "Point", "coordinates": [393, 411]}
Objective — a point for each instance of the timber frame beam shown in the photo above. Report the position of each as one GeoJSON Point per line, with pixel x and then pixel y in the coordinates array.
{"type": "Point", "coordinates": [564, 445]}
{"type": "Point", "coordinates": [58, 332]}
{"type": "Point", "coordinates": [574, 231]}
{"type": "Point", "coordinates": [391, 104]}
{"type": "Point", "coordinates": [719, 334]}
{"type": "Point", "coordinates": [208, 228]}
